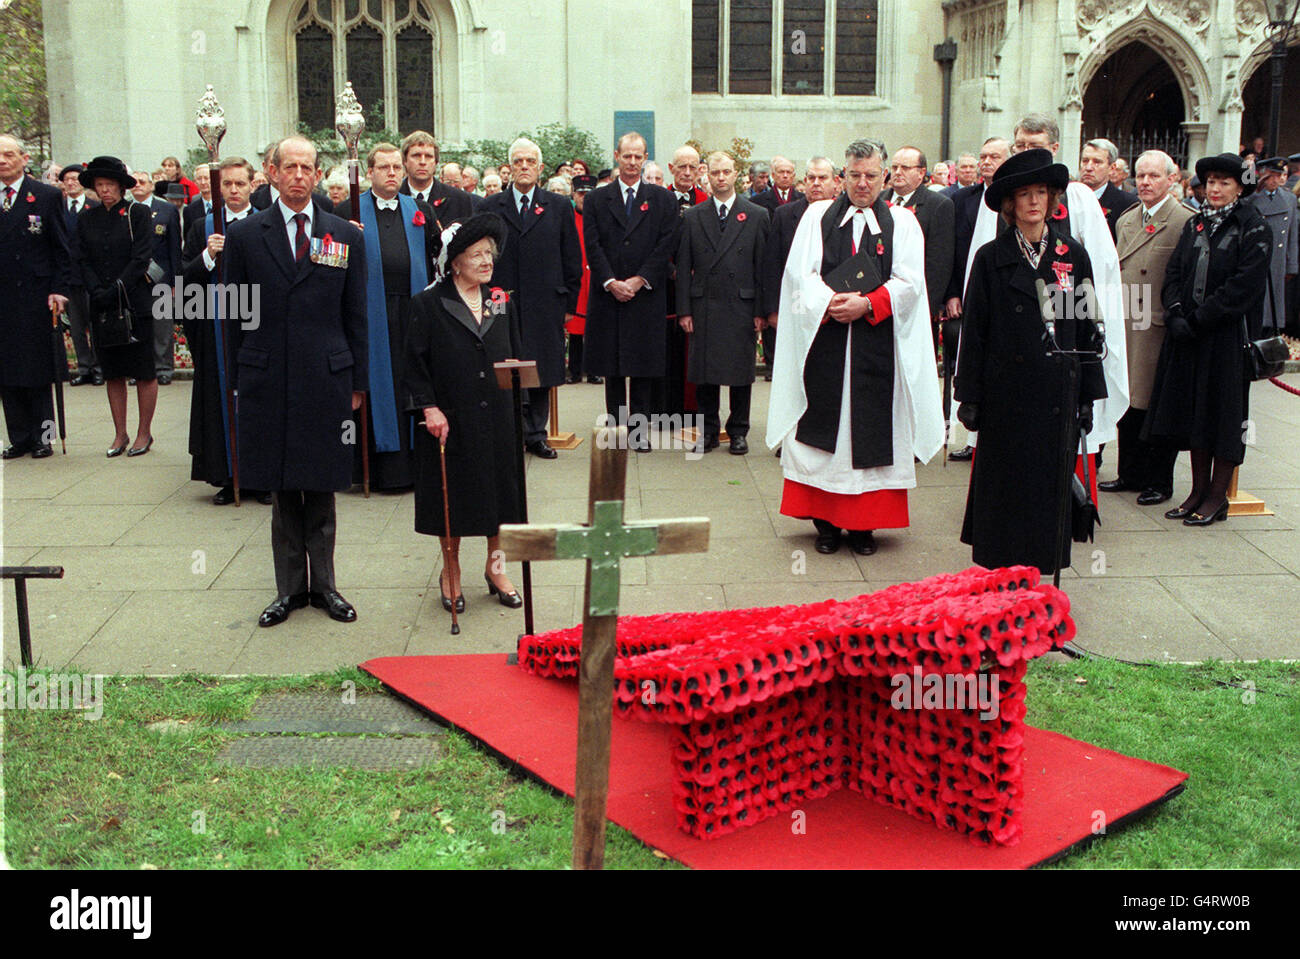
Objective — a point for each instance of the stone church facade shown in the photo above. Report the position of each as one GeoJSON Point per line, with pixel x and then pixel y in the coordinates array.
{"type": "Point", "coordinates": [799, 77]}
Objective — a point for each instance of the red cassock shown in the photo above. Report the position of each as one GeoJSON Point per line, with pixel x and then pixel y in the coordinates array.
{"type": "Point", "coordinates": [578, 325]}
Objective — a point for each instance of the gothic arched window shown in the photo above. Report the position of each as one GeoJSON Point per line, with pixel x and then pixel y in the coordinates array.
{"type": "Point", "coordinates": [384, 47]}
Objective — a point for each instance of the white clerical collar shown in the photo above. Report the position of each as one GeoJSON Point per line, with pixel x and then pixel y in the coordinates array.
{"type": "Point", "coordinates": [872, 222]}
{"type": "Point", "coordinates": [729, 202]}
{"type": "Point", "coordinates": [382, 204]}
{"type": "Point", "coordinates": [1152, 210]}
{"type": "Point", "coordinates": [289, 214]}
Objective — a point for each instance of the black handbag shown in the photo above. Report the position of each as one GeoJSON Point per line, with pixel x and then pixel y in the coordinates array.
{"type": "Point", "coordinates": [116, 326]}
{"type": "Point", "coordinates": [1267, 357]}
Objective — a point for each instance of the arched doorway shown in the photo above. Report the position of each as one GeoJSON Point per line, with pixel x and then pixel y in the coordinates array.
{"type": "Point", "coordinates": [1134, 99]}
{"type": "Point", "coordinates": [1256, 96]}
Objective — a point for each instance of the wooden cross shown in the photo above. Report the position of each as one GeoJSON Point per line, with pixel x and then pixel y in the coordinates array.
{"type": "Point", "coordinates": [603, 542]}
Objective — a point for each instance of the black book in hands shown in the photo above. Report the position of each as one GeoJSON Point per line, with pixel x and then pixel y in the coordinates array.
{"type": "Point", "coordinates": [858, 274]}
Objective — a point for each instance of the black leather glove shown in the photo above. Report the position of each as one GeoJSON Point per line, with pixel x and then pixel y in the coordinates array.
{"type": "Point", "coordinates": [1177, 326]}
{"type": "Point", "coordinates": [1085, 417]}
{"type": "Point", "coordinates": [968, 414]}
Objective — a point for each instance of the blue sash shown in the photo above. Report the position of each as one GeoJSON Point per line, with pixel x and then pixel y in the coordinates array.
{"type": "Point", "coordinates": [383, 401]}
{"type": "Point", "coordinates": [214, 311]}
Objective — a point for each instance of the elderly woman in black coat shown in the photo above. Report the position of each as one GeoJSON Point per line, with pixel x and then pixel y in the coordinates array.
{"type": "Point", "coordinates": [1013, 382]}
{"type": "Point", "coordinates": [459, 328]}
{"type": "Point", "coordinates": [1215, 280]}
{"type": "Point", "coordinates": [112, 245]}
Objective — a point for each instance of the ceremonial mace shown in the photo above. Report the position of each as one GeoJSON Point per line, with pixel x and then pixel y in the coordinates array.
{"type": "Point", "coordinates": [60, 369]}
{"type": "Point", "coordinates": [210, 120]}
{"type": "Point", "coordinates": [350, 122]}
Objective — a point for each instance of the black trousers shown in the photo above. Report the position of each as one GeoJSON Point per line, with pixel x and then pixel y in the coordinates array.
{"type": "Point", "coordinates": [768, 337]}
{"type": "Point", "coordinates": [537, 409]}
{"type": "Point", "coordinates": [29, 412]}
{"type": "Point", "coordinates": [617, 401]}
{"type": "Point", "coordinates": [575, 356]}
{"type": "Point", "coordinates": [1144, 465]}
{"type": "Point", "coordinates": [79, 323]}
{"type": "Point", "coordinates": [708, 398]}
{"type": "Point", "coordinates": [302, 537]}
{"type": "Point", "coordinates": [164, 349]}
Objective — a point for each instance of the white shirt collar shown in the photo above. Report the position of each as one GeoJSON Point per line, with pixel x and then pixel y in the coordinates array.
{"type": "Point", "coordinates": [289, 214]}
{"type": "Point", "coordinates": [872, 223]}
{"type": "Point", "coordinates": [275, 193]}
{"type": "Point", "coordinates": [730, 203]}
{"type": "Point", "coordinates": [232, 216]}
{"type": "Point", "coordinates": [626, 187]}
{"type": "Point", "coordinates": [901, 199]}
{"type": "Point", "coordinates": [519, 197]}
{"type": "Point", "coordinates": [1100, 190]}
{"type": "Point", "coordinates": [426, 194]}
{"type": "Point", "coordinates": [16, 184]}
{"type": "Point", "coordinates": [1151, 211]}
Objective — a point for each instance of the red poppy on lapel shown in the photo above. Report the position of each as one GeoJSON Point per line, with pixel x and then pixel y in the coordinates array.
{"type": "Point", "coordinates": [880, 247]}
{"type": "Point", "coordinates": [538, 210]}
{"type": "Point", "coordinates": [1060, 212]}
{"type": "Point", "coordinates": [438, 202]}
{"type": "Point", "coordinates": [1061, 248]}
{"type": "Point", "coordinates": [1200, 227]}
{"type": "Point", "coordinates": [1150, 228]}
{"type": "Point", "coordinates": [122, 212]}
{"type": "Point", "coordinates": [740, 218]}
{"type": "Point", "coordinates": [645, 206]}
{"type": "Point", "coordinates": [30, 198]}
{"type": "Point", "coordinates": [1105, 212]}
{"type": "Point", "coordinates": [418, 219]}
{"type": "Point", "coordinates": [499, 295]}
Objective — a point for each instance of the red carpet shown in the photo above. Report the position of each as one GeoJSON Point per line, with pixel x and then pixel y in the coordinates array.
{"type": "Point", "coordinates": [533, 722]}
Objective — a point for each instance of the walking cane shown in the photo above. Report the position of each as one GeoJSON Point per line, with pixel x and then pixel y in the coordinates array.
{"type": "Point", "coordinates": [60, 368]}
{"type": "Point", "coordinates": [446, 540]}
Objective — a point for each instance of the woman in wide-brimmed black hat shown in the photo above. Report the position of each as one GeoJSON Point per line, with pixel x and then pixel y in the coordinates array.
{"type": "Point", "coordinates": [113, 245]}
{"type": "Point", "coordinates": [1213, 293]}
{"type": "Point", "coordinates": [460, 326]}
{"type": "Point", "coordinates": [1020, 398]}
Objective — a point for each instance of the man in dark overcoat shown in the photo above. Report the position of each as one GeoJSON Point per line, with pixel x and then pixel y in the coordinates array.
{"type": "Point", "coordinates": [1098, 160]}
{"type": "Point", "coordinates": [420, 159]}
{"type": "Point", "coordinates": [301, 367]}
{"type": "Point", "coordinates": [34, 278]}
{"type": "Point", "coordinates": [934, 212]}
{"type": "Point", "coordinates": [76, 199]}
{"type": "Point", "coordinates": [540, 269]}
{"type": "Point", "coordinates": [1278, 207]}
{"type": "Point", "coordinates": [630, 231]}
{"type": "Point", "coordinates": [719, 298]}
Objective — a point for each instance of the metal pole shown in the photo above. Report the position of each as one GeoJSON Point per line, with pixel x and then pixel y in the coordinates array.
{"type": "Point", "coordinates": [517, 392]}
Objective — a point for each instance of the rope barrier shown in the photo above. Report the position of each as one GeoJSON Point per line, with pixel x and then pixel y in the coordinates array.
{"type": "Point", "coordinates": [1280, 385]}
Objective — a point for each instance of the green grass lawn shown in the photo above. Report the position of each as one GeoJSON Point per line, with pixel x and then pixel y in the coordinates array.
{"type": "Point", "coordinates": [114, 794]}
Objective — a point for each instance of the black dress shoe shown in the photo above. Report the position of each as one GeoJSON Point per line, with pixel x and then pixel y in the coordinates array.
{"type": "Point", "coordinates": [862, 542]}
{"type": "Point", "coordinates": [1150, 497]}
{"type": "Point", "coordinates": [41, 452]}
{"type": "Point", "coordinates": [279, 611]}
{"type": "Point", "coordinates": [334, 604]}
{"type": "Point", "coordinates": [224, 496]}
{"type": "Point", "coordinates": [541, 450]}
{"type": "Point", "coordinates": [1181, 512]}
{"type": "Point", "coordinates": [596, 380]}
{"type": "Point", "coordinates": [827, 543]}
{"type": "Point", "coordinates": [1206, 519]}
{"type": "Point", "coordinates": [80, 379]}
{"type": "Point", "coordinates": [97, 379]}
{"type": "Point", "coordinates": [512, 600]}
{"type": "Point", "coordinates": [446, 600]}
{"type": "Point", "coordinates": [706, 444]}
{"type": "Point", "coordinates": [739, 446]}
{"type": "Point", "coordinates": [1116, 486]}
{"type": "Point", "coordinates": [13, 452]}
{"type": "Point", "coordinates": [263, 496]}
{"type": "Point", "coordinates": [963, 454]}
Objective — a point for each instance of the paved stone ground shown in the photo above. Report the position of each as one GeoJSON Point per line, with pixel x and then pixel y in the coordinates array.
{"type": "Point", "coordinates": [159, 581]}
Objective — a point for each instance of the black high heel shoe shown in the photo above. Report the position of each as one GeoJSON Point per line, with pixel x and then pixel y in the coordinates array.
{"type": "Point", "coordinates": [446, 600]}
{"type": "Point", "coordinates": [1200, 519]}
{"type": "Point", "coordinates": [1182, 512]}
{"type": "Point", "coordinates": [116, 450]}
{"type": "Point", "coordinates": [140, 450]}
{"type": "Point", "coordinates": [511, 600]}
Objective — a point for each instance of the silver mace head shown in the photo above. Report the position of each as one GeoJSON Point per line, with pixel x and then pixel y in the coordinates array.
{"type": "Point", "coordinates": [349, 121]}
{"type": "Point", "coordinates": [211, 122]}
